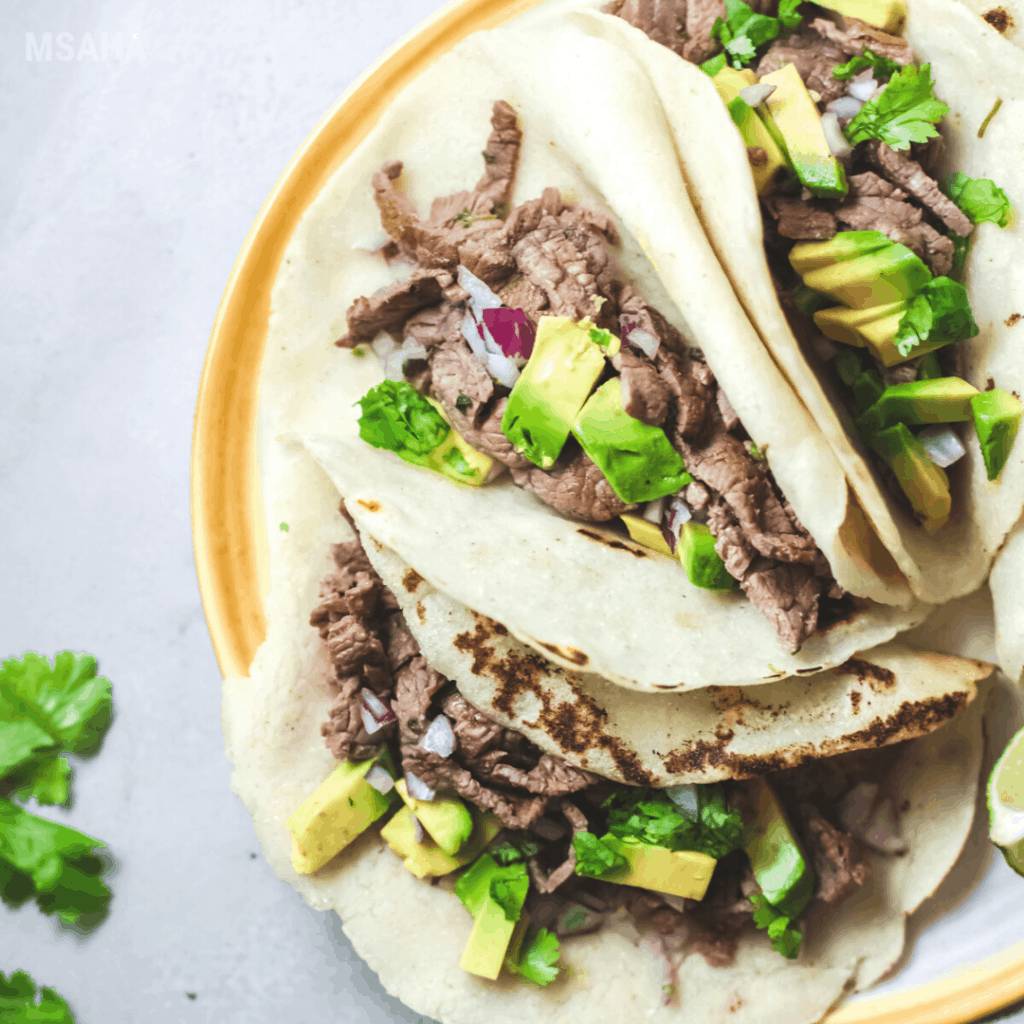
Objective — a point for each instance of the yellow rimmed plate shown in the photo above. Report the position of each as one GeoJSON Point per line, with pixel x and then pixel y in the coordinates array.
{"type": "Point", "coordinates": [227, 517]}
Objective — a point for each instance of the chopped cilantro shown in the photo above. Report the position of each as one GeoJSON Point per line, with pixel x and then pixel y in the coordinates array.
{"type": "Point", "coordinates": [980, 198]}
{"type": "Point", "coordinates": [789, 14]}
{"type": "Point", "coordinates": [538, 957]}
{"type": "Point", "coordinates": [714, 65]}
{"type": "Point", "coordinates": [988, 120]}
{"type": "Point", "coordinates": [396, 417]}
{"type": "Point", "coordinates": [284, 527]}
{"type": "Point", "coordinates": [883, 67]}
{"type": "Point", "coordinates": [906, 112]}
{"type": "Point", "coordinates": [19, 1005]}
{"type": "Point", "coordinates": [599, 336]}
{"type": "Point", "coordinates": [712, 827]}
{"type": "Point", "coordinates": [784, 933]}
{"type": "Point", "coordinates": [743, 30]}
{"type": "Point", "coordinates": [486, 879]}
{"type": "Point", "coordinates": [595, 858]}
{"type": "Point", "coordinates": [518, 847]}
{"type": "Point", "coordinates": [961, 247]}
{"type": "Point", "coordinates": [755, 452]}
{"type": "Point", "coordinates": [359, 351]}
{"type": "Point", "coordinates": [939, 313]}
{"type": "Point", "coordinates": [463, 402]}
{"type": "Point", "coordinates": [465, 218]}
{"type": "Point", "coordinates": [457, 461]}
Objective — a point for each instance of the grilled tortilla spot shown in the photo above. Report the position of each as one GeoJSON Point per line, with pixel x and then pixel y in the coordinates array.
{"type": "Point", "coordinates": [617, 545]}
{"type": "Point", "coordinates": [411, 580]}
{"type": "Point", "coordinates": [370, 506]}
{"type": "Point", "coordinates": [875, 676]}
{"type": "Point", "coordinates": [569, 653]}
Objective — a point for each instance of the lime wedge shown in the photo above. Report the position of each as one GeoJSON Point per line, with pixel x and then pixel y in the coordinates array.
{"type": "Point", "coordinates": [1006, 803]}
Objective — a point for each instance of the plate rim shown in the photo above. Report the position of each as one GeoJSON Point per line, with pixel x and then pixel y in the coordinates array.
{"type": "Point", "coordinates": [226, 505]}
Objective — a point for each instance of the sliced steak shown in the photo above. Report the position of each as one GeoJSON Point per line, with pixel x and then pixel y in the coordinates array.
{"type": "Point", "coordinates": [487, 436]}
{"type": "Point", "coordinates": [575, 486]}
{"type": "Point", "coordinates": [859, 34]}
{"type": "Point", "coordinates": [664, 21]}
{"type": "Point", "coordinates": [344, 732]}
{"type": "Point", "coordinates": [788, 596]}
{"type": "Point", "coordinates": [840, 860]}
{"type": "Point", "coordinates": [434, 325]}
{"type": "Point", "coordinates": [460, 381]}
{"type": "Point", "coordinates": [389, 307]}
{"type": "Point", "coordinates": [645, 395]}
{"type": "Point", "coordinates": [801, 220]}
{"type": "Point", "coordinates": [701, 15]}
{"type": "Point", "coordinates": [815, 59]}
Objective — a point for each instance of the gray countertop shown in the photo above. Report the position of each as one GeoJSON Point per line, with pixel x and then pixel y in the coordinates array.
{"type": "Point", "coordinates": [129, 184]}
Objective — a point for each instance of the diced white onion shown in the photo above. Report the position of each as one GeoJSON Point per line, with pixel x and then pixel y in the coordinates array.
{"type": "Point", "coordinates": [942, 445]}
{"type": "Point", "coordinates": [857, 806]}
{"type": "Point", "coordinates": [845, 107]}
{"type": "Point", "coordinates": [473, 338]}
{"type": "Point", "coordinates": [419, 833]}
{"type": "Point", "coordinates": [502, 369]}
{"type": "Point", "coordinates": [643, 340]}
{"type": "Point", "coordinates": [685, 798]}
{"type": "Point", "coordinates": [380, 778]}
{"type": "Point", "coordinates": [480, 296]}
{"type": "Point", "coordinates": [654, 510]}
{"type": "Point", "coordinates": [834, 136]}
{"type": "Point", "coordinates": [439, 737]}
{"type": "Point", "coordinates": [383, 345]}
{"type": "Point", "coordinates": [678, 513]}
{"type": "Point", "coordinates": [862, 90]}
{"type": "Point", "coordinates": [412, 349]}
{"type": "Point", "coordinates": [374, 712]}
{"type": "Point", "coordinates": [754, 95]}
{"type": "Point", "coordinates": [418, 789]}
{"type": "Point", "coordinates": [881, 832]}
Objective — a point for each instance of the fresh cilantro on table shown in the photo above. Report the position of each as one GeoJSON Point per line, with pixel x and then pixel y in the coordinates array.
{"type": "Point", "coordinates": [906, 112]}
{"type": "Point", "coordinates": [396, 417]}
{"type": "Point", "coordinates": [19, 1003]}
{"type": "Point", "coordinates": [743, 30]}
{"type": "Point", "coordinates": [708, 826]}
{"type": "Point", "coordinates": [538, 957]}
{"type": "Point", "coordinates": [595, 858]}
{"type": "Point", "coordinates": [940, 313]}
{"type": "Point", "coordinates": [980, 198]}
{"type": "Point", "coordinates": [784, 934]}
{"type": "Point", "coordinates": [883, 67]}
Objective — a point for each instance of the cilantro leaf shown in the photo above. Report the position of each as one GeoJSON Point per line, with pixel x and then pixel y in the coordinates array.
{"type": "Point", "coordinates": [18, 1003]}
{"type": "Point", "coordinates": [743, 30]}
{"type": "Point", "coordinates": [595, 858]}
{"type": "Point", "coordinates": [906, 112]}
{"type": "Point", "coordinates": [485, 879]}
{"type": "Point", "coordinates": [980, 198]}
{"type": "Point", "coordinates": [54, 863]}
{"type": "Point", "coordinates": [940, 313]}
{"type": "Point", "coordinates": [519, 847]}
{"type": "Point", "coordinates": [784, 934]}
{"type": "Point", "coordinates": [538, 958]}
{"type": "Point", "coordinates": [396, 417]}
{"type": "Point", "coordinates": [710, 826]}
{"type": "Point", "coordinates": [47, 779]}
{"type": "Point", "coordinates": [509, 890]}
{"type": "Point", "coordinates": [789, 14]}
{"type": "Point", "coordinates": [883, 67]}
{"type": "Point", "coordinates": [961, 247]}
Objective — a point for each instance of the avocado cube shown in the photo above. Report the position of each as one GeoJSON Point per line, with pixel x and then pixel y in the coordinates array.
{"type": "Point", "coordinates": [489, 941]}
{"type": "Point", "coordinates": [887, 15]}
{"type": "Point", "coordinates": [637, 458]}
{"type": "Point", "coordinates": [554, 385]}
{"type": "Point", "coordinates": [455, 459]}
{"type": "Point", "coordinates": [755, 133]}
{"type": "Point", "coordinates": [780, 867]}
{"type": "Point", "coordinates": [344, 805]}
{"type": "Point", "coordinates": [446, 817]}
{"type": "Point", "coordinates": [683, 873]}
{"type": "Point", "coordinates": [997, 417]}
{"type": "Point", "coordinates": [646, 533]}
{"type": "Point", "coordinates": [945, 400]}
{"type": "Point", "coordinates": [925, 484]}
{"type": "Point", "coordinates": [877, 279]}
{"type": "Point", "coordinates": [797, 120]}
{"type": "Point", "coordinates": [427, 859]}
{"type": "Point", "coordinates": [846, 245]}
{"type": "Point", "coordinates": [842, 324]}
{"type": "Point", "coordinates": [880, 337]}
{"type": "Point", "coordinates": [704, 567]}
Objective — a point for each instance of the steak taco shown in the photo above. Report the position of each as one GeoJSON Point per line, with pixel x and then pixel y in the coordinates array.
{"type": "Point", "coordinates": [526, 412]}
{"type": "Point", "coordinates": [861, 196]}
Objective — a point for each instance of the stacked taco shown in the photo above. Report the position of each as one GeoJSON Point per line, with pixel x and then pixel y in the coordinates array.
{"type": "Point", "coordinates": [604, 635]}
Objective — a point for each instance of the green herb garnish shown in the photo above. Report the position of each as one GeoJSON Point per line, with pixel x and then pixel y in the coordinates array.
{"type": "Point", "coordinates": [538, 957]}
{"type": "Point", "coordinates": [595, 858]}
{"type": "Point", "coordinates": [883, 67]}
{"type": "Point", "coordinates": [743, 30]}
{"type": "Point", "coordinates": [906, 112]}
{"type": "Point", "coordinates": [19, 1003]}
{"type": "Point", "coordinates": [397, 418]}
{"type": "Point", "coordinates": [940, 313]}
{"type": "Point", "coordinates": [783, 932]}
{"type": "Point", "coordinates": [980, 198]}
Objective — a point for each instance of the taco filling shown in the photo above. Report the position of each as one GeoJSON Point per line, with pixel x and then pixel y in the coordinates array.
{"type": "Point", "coordinates": [513, 343]}
{"type": "Point", "coordinates": [541, 851]}
{"type": "Point", "coordinates": [866, 247]}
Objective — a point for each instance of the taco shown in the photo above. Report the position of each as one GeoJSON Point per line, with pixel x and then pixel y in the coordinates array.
{"type": "Point", "coordinates": [874, 247]}
{"type": "Point", "coordinates": [712, 459]}
{"type": "Point", "coordinates": [488, 862]}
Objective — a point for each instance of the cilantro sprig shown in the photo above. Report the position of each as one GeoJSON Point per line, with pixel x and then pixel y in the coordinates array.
{"type": "Point", "coordinates": [538, 957]}
{"type": "Point", "coordinates": [742, 31]}
{"type": "Point", "coordinates": [396, 417]}
{"type": "Point", "coordinates": [883, 67]}
{"type": "Point", "coordinates": [906, 112]}
{"type": "Point", "coordinates": [979, 198]}
{"type": "Point", "coordinates": [19, 1003]}
{"type": "Point", "coordinates": [940, 313]}
{"type": "Point", "coordinates": [595, 858]}
{"type": "Point", "coordinates": [783, 932]}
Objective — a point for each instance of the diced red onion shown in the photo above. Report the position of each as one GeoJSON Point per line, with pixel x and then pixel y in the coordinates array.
{"type": "Point", "coordinates": [654, 511]}
{"type": "Point", "coordinates": [439, 737]}
{"type": "Point", "coordinates": [685, 798]}
{"type": "Point", "coordinates": [942, 445]}
{"type": "Point", "coordinates": [380, 778]}
{"type": "Point", "coordinates": [418, 789]}
{"type": "Point", "coordinates": [834, 136]}
{"type": "Point", "coordinates": [419, 833]}
{"type": "Point", "coordinates": [643, 340]}
{"type": "Point", "coordinates": [480, 296]}
{"type": "Point", "coordinates": [845, 107]}
{"type": "Point", "coordinates": [755, 95]}
{"type": "Point", "coordinates": [862, 90]}
{"type": "Point", "coordinates": [375, 713]}
{"type": "Point", "coordinates": [672, 525]}
{"type": "Point", "coordinates": [512, 331]}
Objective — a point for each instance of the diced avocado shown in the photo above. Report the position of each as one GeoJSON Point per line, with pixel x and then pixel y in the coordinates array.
{"type": "Point", "coordinates": [704, 567]}
{"type": "Point", "coordinates": [842, 324]}
{"type": "Point", "coordinates": [755, 133]}
{"type": "Point", "coordinates": [646, 533]}
{"type": "Point", "coordinates": [552, 388]}
{"type": "Point", "coordinates": [878, 279]}
{"type": "Point", "coordinates": [683, 873]}
{"type": "Point", "coordinates": [427, 859]}
{"type": "Point", "coordinates": [455, 459]}
{"type": "Point", "coordinates": [446, 817]}
{"type": "Point", "coordinates": [924, 483]}
{"type": "Point", "coordinates": [797, 119]}
{"type": "Point", "coordinates": [489, 941]}
{"type": "Point", "coordinates": [779, 864]}
{"type": "Point", "coordinates": [638, 459]}
{"type": "Point", "coordinates": [344, 805]}
{"type": "Point", "coordinates": [880, 336]}
{"type": "Point", "coordinates": [496, 911]}
{"type": "Point", "coordinates": [997, 417]}
{"type": "Point", "coordinates": [929, 367]}
{"type": "Point", "coordinates": [887, 15]}
{"type": "Point", "coordinates": [946, 400]}
{"type": "Point", "coordinates": [846, 245]}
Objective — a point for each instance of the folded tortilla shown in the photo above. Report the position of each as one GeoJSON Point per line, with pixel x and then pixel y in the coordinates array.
{"type": "Point", "coordinates": [972, 66]}
{"type": "Point", "coordinates": [578, 594]}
